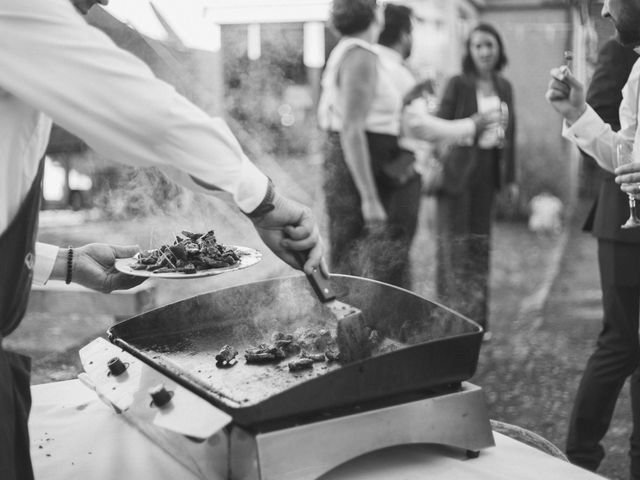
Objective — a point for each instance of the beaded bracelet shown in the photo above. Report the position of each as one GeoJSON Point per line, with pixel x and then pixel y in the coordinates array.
{"type": "Point", "coordinates": [69, 265]}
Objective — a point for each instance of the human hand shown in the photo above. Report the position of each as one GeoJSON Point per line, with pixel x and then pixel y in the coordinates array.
{"type": "Point", "coordinates": [566, 94]}
{"type": "Point", "coordinates": [628, 177]}
{"type": "Point", "coordinates": [83, 6]}
{"type": "Point", "coordinates": [485, 120]}
{"type": "Point", "coordinates": [94, 267]}
{"type": "Point", "coordinates": [373, 213]}
{"type": "Point", "coordinates": [290, 227]}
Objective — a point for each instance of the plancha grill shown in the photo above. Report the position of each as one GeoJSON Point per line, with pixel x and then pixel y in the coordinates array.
{"type": "Point", "coordinates": [416, 388]}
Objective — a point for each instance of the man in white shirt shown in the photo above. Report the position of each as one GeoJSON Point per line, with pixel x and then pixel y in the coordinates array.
{"type": "Point", "coordinates": [617, 353]}
{"type": "Point", "coordinates": [56, 67]}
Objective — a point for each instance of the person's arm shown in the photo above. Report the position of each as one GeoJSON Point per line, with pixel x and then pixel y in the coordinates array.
{"type": "Point", "coordinates": [358, 78]}
{"type": "Point", "coordinates": [419, 124]}
{"type": "Point", "coordinates": [582, 125]}
{"type": "Point", "coordinates": [56, 63]}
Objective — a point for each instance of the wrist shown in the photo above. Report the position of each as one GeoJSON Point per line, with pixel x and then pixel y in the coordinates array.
{"type": "Point", "coordinates": [266, 205]}
{"type": "Point", "coordinates": [60, 264]}
{"type": "Point", "coordinates": [572, 116]}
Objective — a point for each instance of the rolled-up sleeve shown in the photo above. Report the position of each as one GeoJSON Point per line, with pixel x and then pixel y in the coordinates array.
{"type": "Point", "coordinates": [594, 137]}
{"type": "Point", "coordinates": [52, 60]}
{"type": "Point", "coordinates": [45, 258]}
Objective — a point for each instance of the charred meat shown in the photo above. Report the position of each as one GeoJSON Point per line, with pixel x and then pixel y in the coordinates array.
{"type": "Point", "coordinates": [264, 353]}
{"type": "Point", "coordinates": [189, 253]}
{"type": "Point", "coordinates": [300, 363]}
{"type": "Point", "coordinates": [226, 356]}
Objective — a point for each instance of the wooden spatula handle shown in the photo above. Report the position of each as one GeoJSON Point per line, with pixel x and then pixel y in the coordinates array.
{"type": "Point", "coordinates": [320, 284]}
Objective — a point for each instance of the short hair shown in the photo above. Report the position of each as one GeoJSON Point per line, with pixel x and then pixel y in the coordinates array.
{"type": "Point", "coordinates": [467, 62]}
{"type": "Point", "coordinates": [397, 20]}
{"type": "Point", "coordinates": [352, 16]}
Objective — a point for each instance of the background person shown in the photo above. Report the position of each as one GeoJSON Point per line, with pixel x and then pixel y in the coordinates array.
{"type": "Point", "coordinates": [473, 173]}
{"type": "Point", "coordinates": [617, 352]}
{"type": "Point", "coordinates": [618, 261]}
{"type": "Point", "coordinates": [360, 109]}
{"type": "Point", "coordinates": [56, 67]}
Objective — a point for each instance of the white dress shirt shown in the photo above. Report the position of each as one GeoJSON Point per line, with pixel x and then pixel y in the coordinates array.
{"type": "Point", "coordinates": [52, 61]}
{"type": "Point", "coordinates": [597, 139]}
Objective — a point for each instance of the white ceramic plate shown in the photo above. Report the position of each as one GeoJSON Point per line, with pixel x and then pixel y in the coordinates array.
{"type": "Point", "coordinates": [248, 257]}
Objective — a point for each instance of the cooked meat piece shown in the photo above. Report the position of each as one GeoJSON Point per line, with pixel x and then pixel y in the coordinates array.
{"type": "Point", "coordinates": [226, 355]}
{"type": "Point", "coordinates": [298, 364]}
{"type": "Point", "coordinates": [263, 353]}
{"type": "Point", "coordinates": [316, 357]}
{"type": "Point", "coordinates": [332, 355]}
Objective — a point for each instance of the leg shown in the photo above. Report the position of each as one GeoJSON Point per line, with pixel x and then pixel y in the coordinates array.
{"type": "Point", "coordinates": [345, 222]}
{"type": "Point", "coordinates": [402, 206]}
{"type": "Point", "coordinates": [616, 357]}
{"type": "Point", "coordinates": [634, 451]}
{"type": "Point", "coordinates": [452, 249]}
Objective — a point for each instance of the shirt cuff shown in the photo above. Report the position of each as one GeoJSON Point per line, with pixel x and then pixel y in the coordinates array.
{"type": "Point", "coordinates": [584, 127]}
{"type": "Point", "coordinates": [45, 258]}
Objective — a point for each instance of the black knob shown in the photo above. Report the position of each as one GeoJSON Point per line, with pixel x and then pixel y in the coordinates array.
{"type": "Point", "coordinates": [116, 366]}
{"type": "Point", "coordinates": [160, 396]}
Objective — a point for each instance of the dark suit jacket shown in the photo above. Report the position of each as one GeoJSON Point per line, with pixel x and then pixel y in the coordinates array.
{"type": "Point", "coordinates": [610, 209]}
{"type": "Point", "coordinates": [460, 101]}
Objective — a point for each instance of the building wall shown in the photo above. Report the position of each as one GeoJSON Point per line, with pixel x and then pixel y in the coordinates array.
{"type": "Point", "coordinates": [535, 40]}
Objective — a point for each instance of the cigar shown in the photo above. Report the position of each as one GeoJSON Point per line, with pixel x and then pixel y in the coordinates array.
{"type": "Point", "coordinates": [568, 58]}
{"type": "Point", "coordinates": [566, 68]}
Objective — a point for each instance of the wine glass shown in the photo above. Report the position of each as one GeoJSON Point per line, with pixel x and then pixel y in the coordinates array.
{"type": "Point", "coordinates": [623, 155]}
{"type": "Point", "coordinates": [502, 124]}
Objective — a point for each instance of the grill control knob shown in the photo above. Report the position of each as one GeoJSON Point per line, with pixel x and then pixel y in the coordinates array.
{"type": "Point", "coordinates": [160, 396]}
{"type": "Point", "coordinates": [116, 366]}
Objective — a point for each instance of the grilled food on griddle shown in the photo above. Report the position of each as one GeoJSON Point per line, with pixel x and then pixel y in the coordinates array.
{"type": "Point", "coordinates": [226, 356]}
{"type": "Point", "coordinates": [311, 346]}
{"type": "Point", "coordinates": [264, 353]}
{"type": "Point", "coordinates": [188, 254]}
{"type": "Point", "coordinates": [300, 363]}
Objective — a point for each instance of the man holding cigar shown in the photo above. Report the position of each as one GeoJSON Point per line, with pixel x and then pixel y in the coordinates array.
{"type": "Point", "coordinates": [617, 353]}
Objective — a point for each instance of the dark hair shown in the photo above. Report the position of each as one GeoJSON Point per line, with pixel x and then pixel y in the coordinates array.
{"type": "Point", "coordinates": [397, 20]}
{"type": "Point", "coordinates": [352, 16]}
{"type": "Point", "coordinates": [467, 62]}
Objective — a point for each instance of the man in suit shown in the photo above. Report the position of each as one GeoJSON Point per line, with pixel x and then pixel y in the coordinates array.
{"type": "Point", "coordinates": [615, 358]}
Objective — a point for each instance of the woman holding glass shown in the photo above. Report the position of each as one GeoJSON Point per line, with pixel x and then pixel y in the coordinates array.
{"type": "Point", "coordinates": [473, 172]}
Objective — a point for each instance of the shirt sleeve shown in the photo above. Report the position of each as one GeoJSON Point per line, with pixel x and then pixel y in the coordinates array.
{"type": "Point", "coordinates": [54, 61]}
{"type": "Point", "coordinates": [594, 137]}
{"type": "Point", "coordinates": [419, 124]}
{"type": "Point", "coordinates": [45, 258]}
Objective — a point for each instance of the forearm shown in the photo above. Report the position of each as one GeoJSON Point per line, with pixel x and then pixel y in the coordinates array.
{"type": "Point", "coordinates": [112, 101]}
{"type": "Point", "coordinates": [358, 160]}
{"type": "Point", "coordinates": [428, 128]}
{"type": "Point", "coordinates": [594, 137]}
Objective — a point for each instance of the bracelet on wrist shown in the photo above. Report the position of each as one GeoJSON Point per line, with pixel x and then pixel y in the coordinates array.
{"type": "Point", "coordinates": [69, 265]}
{"type": "Point", "coordinates": [266, 205]}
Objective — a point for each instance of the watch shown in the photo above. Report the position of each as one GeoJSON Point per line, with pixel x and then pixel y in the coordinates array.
{"type": "Point", "coordinates": [266, 205]}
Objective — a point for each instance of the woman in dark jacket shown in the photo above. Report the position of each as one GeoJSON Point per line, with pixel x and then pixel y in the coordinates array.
{"type": "Point", "coordinates": [473, 173]}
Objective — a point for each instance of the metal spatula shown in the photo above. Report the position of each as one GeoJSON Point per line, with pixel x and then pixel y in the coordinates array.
{"type": "Point", "coordinates": [352, 334]}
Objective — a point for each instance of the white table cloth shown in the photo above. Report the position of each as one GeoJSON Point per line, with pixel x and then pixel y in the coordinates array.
{"type": "Point", "coordinates": [76, 436]}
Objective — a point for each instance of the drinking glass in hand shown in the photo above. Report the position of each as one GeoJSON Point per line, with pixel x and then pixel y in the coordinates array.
{"type": "Point", "coordinates": [502, 124]}
{"type": "Point", "coordinates": [623, 155]}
